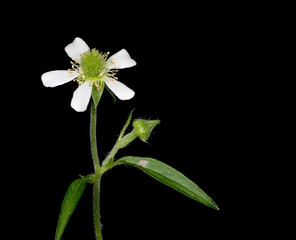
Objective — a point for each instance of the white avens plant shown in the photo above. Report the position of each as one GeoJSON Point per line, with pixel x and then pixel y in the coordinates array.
{"type": "Point", "coordinates": [91, 68]}
{"type": "Point", "coordinates": [93, 71]}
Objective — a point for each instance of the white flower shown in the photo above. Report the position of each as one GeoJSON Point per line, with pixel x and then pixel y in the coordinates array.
{"type": "Point", "coordinates": [91, 67]}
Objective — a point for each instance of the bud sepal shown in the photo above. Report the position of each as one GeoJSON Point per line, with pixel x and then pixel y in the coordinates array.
{"type": "Point", "coordinates": [144, 128]}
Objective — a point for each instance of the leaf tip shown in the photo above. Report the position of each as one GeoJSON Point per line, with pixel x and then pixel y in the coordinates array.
{"type": "Point", "coordinates": [214, 206]}
{"type": "Point", "coordinates": [217, 208]}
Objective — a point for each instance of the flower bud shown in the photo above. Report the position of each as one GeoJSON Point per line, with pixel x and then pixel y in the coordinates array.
{"type": "Point", "coordinates": [144, 128]}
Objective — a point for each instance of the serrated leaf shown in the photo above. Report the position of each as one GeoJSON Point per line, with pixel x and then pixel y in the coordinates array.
{"type": "Point", "coordinates": [169, 176]}
{"type": "Point", "coordinates": [69, 204]}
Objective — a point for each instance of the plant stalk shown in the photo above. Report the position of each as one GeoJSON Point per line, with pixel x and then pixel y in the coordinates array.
{"type": "Point", "coordinates": [97, 167]}
{"type": "Point", "coordinates": [96, 206]}
{"type": "Point", "coordinates": [93, 139]}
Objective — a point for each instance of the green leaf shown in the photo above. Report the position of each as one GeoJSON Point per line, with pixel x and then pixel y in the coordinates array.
{"type": "Point", "coordinates": [69, 204]}
{"type": "Point", "coordinates": [97, 93]}
{"type": "Point", "coordinates": [169, 176]}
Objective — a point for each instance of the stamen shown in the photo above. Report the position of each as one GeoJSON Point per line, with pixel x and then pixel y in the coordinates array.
{"type": "Point", "coordinates": [112, 61]}
{"type": "Point", "coordinates": [74, 64]}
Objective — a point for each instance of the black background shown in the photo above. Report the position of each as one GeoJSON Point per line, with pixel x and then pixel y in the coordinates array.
{"type": "Point", "coordinates": [193, 73]}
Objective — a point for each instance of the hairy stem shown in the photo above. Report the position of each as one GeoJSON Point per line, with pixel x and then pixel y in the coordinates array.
{"type": "Point", "coordinates": [93, 140]}
{"type": "Point", "coordinates": [96, 207]}
{"type": "Point", "coordinates": [97, 167]}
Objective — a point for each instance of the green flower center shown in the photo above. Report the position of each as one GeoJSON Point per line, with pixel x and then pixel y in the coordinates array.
{"type": "Point", "coordinates": [92, 68]}
{"type": "Point", "coordinates": [92, 64]}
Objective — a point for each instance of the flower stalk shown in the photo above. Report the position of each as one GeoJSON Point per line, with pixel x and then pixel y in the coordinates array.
{"type": "Point", "coordinates": [97, 167]}
{"type": "Point", "coordinates": [96, 206]}
{"type": "Point", "coordinates": [93, 139]}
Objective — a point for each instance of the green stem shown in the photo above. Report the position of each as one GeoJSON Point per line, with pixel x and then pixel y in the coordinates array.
{"type": "Point", "coordinates": [97, 209]}
{"type": "Point", "coordinates": [93, 140]}
{"type": "Point", "coordinates": [94, 151]}
{"type": "Point", "coordinates": [121, 143]}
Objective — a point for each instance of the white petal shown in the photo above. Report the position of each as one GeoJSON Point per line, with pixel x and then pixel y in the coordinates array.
{"type": "Point", "coordinates": [81, 97]}
{"type": "Point", "coordinates": [120, 60]}
{"type": "Point", "coordinates": [58, 77]}
{"type": "Point", "coordinates": [119, 89]}
{"type": "Point", "coordinates": [75, 48]}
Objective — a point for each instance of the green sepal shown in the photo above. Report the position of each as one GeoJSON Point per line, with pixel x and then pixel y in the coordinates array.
{"type": "Point", "coordinates": [69, 204]}
{"type": "Point", "coordinates": [170, 177]}
{"type": "Point", "coordinates": [97, 93]}
{"type": "Point", "coordinates": [144, 128]}
{"type": "Point", "coordinates": [112, 94]}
